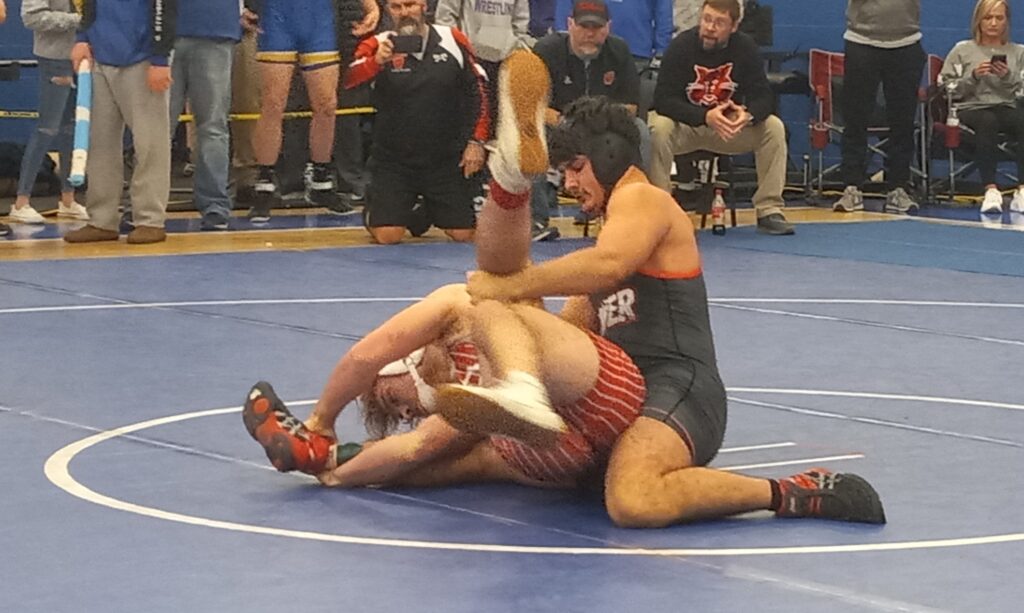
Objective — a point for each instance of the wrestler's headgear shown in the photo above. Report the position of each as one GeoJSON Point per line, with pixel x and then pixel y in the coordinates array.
{"type": "Point", "coordinates": [601, 130]}
{"type": "Point", "coordinates": [407, 366]}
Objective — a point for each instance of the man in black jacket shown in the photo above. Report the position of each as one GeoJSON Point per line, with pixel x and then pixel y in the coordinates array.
{"type": "Point", "coordinates": [587, 60]}
{"type": "Point", "coordinates": [712, 94]}
{"type": "Point", "coordinates": [431, 123]}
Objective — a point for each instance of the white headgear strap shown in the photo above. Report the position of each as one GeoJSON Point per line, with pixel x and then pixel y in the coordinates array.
{"type": "Point", "coordinates": [407, 366]}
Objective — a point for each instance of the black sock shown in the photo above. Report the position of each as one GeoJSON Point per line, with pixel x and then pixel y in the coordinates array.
{"type": "Point", "coordinates": [776, 494]}
{"type": "Point", "coordinates": [265, 173]}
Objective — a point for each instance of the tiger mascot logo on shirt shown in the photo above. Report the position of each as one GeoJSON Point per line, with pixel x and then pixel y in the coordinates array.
{"type": "Point", "coordinates": [712, 86]}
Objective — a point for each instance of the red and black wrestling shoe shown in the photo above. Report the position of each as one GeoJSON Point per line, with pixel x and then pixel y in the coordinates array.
{"type": "Point", "coordinates": [286, 440]}
{"type": "Point", "coordinates": [826, 495]}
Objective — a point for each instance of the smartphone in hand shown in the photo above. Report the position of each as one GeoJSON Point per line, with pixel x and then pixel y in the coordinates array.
{"type": "Point", "coordinates": [411, 43]}
{"type": "Point", "coordinates": [1000, 58]}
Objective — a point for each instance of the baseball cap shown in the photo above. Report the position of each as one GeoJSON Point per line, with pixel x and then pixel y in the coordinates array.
{"type": "Point", "coordinates": [590, 12]}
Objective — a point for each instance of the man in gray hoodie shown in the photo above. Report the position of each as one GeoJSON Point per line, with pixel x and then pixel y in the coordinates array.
{"type": "Point", "coordinates": [883, 46]}
{"type": "Point", "coordinates": [494, 27]}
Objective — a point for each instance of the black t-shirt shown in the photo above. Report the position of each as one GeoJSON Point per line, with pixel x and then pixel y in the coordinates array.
{"type": "Point", "coordinates": [612, 73]}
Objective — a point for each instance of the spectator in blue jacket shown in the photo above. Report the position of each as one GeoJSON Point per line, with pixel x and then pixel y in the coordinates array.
{"type": "Point", "coordinates": [542, 18]}
{"type": "Point", "coordinates": [129, 44]}
{"type": "Point", "coordinates": [646, 25]}
{"type": "Point", "coordinates": [208, 31]}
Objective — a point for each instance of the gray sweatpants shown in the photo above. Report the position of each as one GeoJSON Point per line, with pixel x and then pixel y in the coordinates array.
{"type": "Point", "coordinates": [120, 98]}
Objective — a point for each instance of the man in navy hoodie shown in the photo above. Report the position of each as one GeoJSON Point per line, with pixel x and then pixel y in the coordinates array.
{"type": "Point", "coordinates": [129, 44]}
{"type": "Point", "coordinates": [208, 31]}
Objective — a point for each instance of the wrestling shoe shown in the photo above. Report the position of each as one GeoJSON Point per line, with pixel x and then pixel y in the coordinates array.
{"type": "Point", "coordinates": [265, 196]}
{"type": "Point", "coordinates": [319, 183]}
{"type": "Point", "coordinates": [289, 445]}
{"type": "Point", "coordinates": [826, 495]}
{"type": "Point", "coordinates": [520, 148]}
{"type": "Point", "coordinates": [518, 408]}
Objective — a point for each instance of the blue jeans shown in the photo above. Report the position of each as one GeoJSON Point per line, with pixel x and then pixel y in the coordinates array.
{"type": "Point", "coordinates": [201, 72]}
{"type": "Point", "coordinates": [56, 120]}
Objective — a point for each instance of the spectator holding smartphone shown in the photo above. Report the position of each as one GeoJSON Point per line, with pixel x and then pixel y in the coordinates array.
{"type": "Point", "coordinates": [429, 129]}
{"type": "Point", "coordinates": [984, 78]}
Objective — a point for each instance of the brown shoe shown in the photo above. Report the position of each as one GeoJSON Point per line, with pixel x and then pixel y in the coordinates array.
{"type": "Point", "coordinates": [90, 234]}
{"type": "Point", "coordinates": [142, 235]}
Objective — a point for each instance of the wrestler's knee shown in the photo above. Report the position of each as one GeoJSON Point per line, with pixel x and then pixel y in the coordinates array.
{"type": "Point", "coordinates": [636, 491]}
{"type": "Point", "coordinates": [635, 499]}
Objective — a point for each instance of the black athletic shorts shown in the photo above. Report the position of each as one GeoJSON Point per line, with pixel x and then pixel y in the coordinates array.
{"type": "Point", "coordinates": [689, 397]}
{"type": "Point", "coordinates": [447, 195]}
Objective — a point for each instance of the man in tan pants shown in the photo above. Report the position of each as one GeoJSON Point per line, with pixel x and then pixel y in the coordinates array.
{"type": "Point", "coordinates": [713, 95]}
{"type": "Point", "coordinates": [131, 77]}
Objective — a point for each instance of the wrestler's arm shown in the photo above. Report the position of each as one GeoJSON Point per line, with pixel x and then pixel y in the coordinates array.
{"type": "Point", "coordinates": [407, 331]}
{"type": "Point", "coordinates": [635, 223]}
{"type": "Point", "coordinates": [383, 461]}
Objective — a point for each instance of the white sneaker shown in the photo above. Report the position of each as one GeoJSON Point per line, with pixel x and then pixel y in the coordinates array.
{"type": "Point", "coordinates": [518, 408]}
{"type": "Point", "coordinates": [72, 211]}
{"type": "Point", "coordinates": [25, 214]}
{"type": "Point", "coordinates": [1017, 204]}
{"type": "Point", "coordinates": [993, 202]}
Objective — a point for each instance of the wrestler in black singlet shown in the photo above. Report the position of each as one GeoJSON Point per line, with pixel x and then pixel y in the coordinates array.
{"type": "Point", "coordinates": [661, 320]}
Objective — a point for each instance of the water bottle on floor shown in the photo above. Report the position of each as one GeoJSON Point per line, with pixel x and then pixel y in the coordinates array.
{"type": "Point", "coordinates": [718, 214]}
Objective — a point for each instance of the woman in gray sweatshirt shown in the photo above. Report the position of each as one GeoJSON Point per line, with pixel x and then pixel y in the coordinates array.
{"type": "Point", "coordinates": [985, 76]}
{"type": "Point", "coordinates": [53, 24]}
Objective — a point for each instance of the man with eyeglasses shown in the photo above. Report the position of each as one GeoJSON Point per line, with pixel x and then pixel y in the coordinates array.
{"type": "Point", "coordinates": [713, 95]}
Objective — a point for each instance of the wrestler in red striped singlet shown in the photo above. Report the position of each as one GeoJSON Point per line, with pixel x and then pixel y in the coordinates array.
{"type": "Point", "coordinates": [595, 421]}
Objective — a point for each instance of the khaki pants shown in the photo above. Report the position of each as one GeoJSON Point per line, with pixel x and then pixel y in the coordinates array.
{"type": "Point", "coordinates": [767, 140]}
{"type": "Point", "coordinates": [121, 97]}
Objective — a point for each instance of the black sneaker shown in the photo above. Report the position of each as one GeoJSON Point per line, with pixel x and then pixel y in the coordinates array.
{"type": "Point", "coordinates": [265, 196]}
{"type": "Point", "coordinates": [826, 495]}
{"type": "Point", "coordinates": [125, 225]}
{"type": "Point", "coordinates": [4, 229]}
{"type": "Point", "coordinates": [774, 224]}
{"type": "Point", "coordinates": [543, 233]}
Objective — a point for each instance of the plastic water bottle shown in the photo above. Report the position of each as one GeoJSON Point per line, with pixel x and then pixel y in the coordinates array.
{"type": "Point", "coordinates": [952, 140]}
{"type": "Point", "coordinates": [718, 214]}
